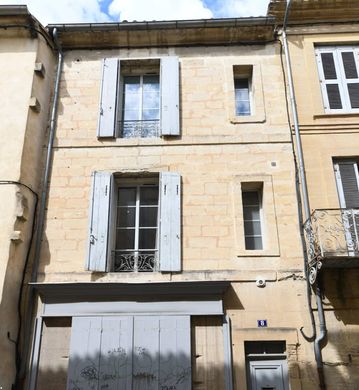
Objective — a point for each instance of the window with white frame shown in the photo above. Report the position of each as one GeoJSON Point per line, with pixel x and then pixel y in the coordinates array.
{"type": "Point", "coordinates": [242, 89]}
{"type": "Point", "coordinates": [136, 227]}
{"type": "Point", "coordinates": [139, 98]}
{"type": "Point", "coordinates": [135, 223]}
{"type": "Point", "coordinates": [338, 68]}
{"type": "Point", "coordinates": [141, 106]}
{"type": "Point", "coordinates": [252, 205]}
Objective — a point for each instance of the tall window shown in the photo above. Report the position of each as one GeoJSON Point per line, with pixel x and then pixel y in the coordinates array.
{"type": "Point", "coordinates": [338, 72]}
{"type": "Point", "coordinates": [136, 228]}
{"type": "Point", "coordinates": [141, 106]}
{"type": "Point", "coordinates": [242, 96]}
{"type": "Point", "coordinates": [252, 219]}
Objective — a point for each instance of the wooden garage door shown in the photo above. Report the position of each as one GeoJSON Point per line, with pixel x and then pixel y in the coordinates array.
{"type": "Point", "coordinates": [130, 352]}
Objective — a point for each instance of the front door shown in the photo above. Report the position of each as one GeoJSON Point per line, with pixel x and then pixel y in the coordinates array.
{"type": "Point", "coordinates": [268, 375]}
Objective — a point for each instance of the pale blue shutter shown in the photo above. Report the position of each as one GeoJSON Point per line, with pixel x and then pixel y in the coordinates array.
{"type": "Point", "coordinates": [175, 352]}
{"type": "Point", "coordinates": [108, 98]}
{"type": "Point", "coordinates": [99, 230]}
{"type": "Point", "coordinates": [116, 353]}
{"type": "Point", "coordinates": [170, 222]}
{"type": "Point", "coordinates": [84, 353]}
{"type": "Point", "coordinates": [169, 80]}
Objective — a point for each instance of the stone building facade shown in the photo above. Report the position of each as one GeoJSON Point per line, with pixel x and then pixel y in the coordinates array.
{"type": "Point", "coordinates": [171, 255]}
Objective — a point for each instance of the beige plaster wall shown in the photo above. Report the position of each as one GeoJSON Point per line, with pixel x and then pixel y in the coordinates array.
{"type": "Point", "coordinates": [23, 135]}
{"type": "Point", "coordinates": [324, 137]}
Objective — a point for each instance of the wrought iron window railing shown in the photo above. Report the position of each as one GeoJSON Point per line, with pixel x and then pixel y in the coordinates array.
{"type": "Point", "coordinates": [135, 260]}
{"type": "Point", "coordinates": [332, 238]}
{"type": "Point", "coordinates": [140, 129]}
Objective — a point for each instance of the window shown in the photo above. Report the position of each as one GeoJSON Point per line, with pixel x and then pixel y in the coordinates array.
{"type": "Point", "coordinates": [136, 228]}
{"type": "Point", "coordinates": [141, 106]}
{"type": "Point", "coordinates": [242, 90]}
{"type": "Point", "coordinates": [139, 98]}
{"type": "Point", "coordinates": [252, 219]}
{"type": "Point", "coordinates": [339, 77]}
{"type": "Point", "coordinates": [135, 223]}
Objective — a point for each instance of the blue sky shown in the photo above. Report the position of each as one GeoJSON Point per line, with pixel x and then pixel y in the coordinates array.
{"type": "Point", "coordinates": [82, 11]}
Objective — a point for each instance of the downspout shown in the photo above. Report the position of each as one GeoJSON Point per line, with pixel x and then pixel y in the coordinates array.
{"type": "Point", "coordinates": [303, 182]}
{"type": "Point", "coordinates": [42, 211]}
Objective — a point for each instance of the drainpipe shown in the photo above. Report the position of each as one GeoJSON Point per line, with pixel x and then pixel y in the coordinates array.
{"type": "Point", "coordinates": [322, 328]}
{"type": "Point", "coordinates": [42, 211]}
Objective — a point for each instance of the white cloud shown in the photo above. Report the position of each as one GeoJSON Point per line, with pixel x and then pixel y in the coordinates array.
{"type": "Point", "coordinates": [241, 8]}
{"type": "Point", "coordinates": [64, 11]}
{"type": "Point", "coordinates": [159, 10]}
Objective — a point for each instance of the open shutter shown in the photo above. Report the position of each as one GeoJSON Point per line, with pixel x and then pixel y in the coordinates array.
{"type": "Point", "coordinates": [348, 183]}
{"type": "Point", "coordinates": [329, 79]}
{"type": "Point", "coordinates": [99, 234]}
{"type": "Point", "coordinates": [108, 98]}
{"type": "Point", "coordinates": [169, 80]}
{"type": "Point", "coordinates": [170, 222]}
{"type": "Point", "coordinates": [175, 352]}
{"type": "Point", "coordinates": [116, 353]}
{"type": "Point", "coordinates": [84, 353]}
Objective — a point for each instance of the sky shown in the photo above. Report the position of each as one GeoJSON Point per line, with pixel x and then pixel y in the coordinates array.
{"type": "Point", "coordinates": [91, 11]}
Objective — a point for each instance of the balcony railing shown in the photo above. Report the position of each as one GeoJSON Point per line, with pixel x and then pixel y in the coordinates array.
{"type": "Point", "coordinates": [332, 237]}
{"type": "Point", "coordinates": [134, 261]}
{"type": "Point", "coordinates": [140, 129]}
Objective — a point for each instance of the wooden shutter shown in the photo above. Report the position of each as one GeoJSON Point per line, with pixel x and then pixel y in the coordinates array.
{"type": "Point", "coordinates": [169, 80]}
{"type": "Point", "coordinates": [175, 352]}
{"type": "Point", "coordinates": [108, 98]}
{"type": "Point", "coordinates": [83, 371]}
{"type": "Point", "coordinates": [116, 353]}
{"type": "Point", "coordinates": [346, 173]}
{"type": "Point", "coordinates": [170, 222]}
{"type": "Point", "coordinates": [99, 231]}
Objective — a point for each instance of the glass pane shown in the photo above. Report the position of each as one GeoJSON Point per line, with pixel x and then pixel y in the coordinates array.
{"type": "Point", "coordinates": [151, 114]}
{"type": "Point", "coordinates": [242, 94]}
{"type": "Point", "coordinates": [151, 83]}
{"type": "Point", "coordinates": [251, 213]}
{"type": "Point", "coordinates": [328, 66]}
{"type": "Point", "coordinates": [349, 65]}
{"type": "Point", "coordinates": [147, 238]}
{"type": "Point", "coordinates": [254, 243]}
{"type": "Point", "coordinates": [241, 84]}
{"type": "Point", "coordinates": [127, 196]}
{"type": "Point", "coordinates": [126, 217]}
{"type": "Point", "coordinates": [131, 115]}
{"type": "Point", "coordinates": [125, 239]}
{"type": "Point", "coordinates": [151, 100]}
{"type": "Point", "coordinates": [353, 90]}
{"type": "Point", "coordinates": [148, 216]}
{"type": "Point", "coordinates": [243, 108]}
{"type": "Point", "coordinates": [334, 96]}
{"type": "Point", "coordinates": [252, 228]}
{"type": "Point", "coordinates": [131, 83]}
{"type": "Point", "coordinates": [250, 198]}
{"type": "Point", "coordinates": [149, 196]}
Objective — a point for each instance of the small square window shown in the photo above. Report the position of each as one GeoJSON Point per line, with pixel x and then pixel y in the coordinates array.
{"type": "Point", "coordinates": [252, 220]}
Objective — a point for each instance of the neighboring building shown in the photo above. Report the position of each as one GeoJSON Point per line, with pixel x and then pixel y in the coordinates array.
{"type": "Point", "coordinates": [25, 84]}
{"type": "Point", "coordinates": [323, 43]}
{"type": "Point", "coordinates": [172, 206]}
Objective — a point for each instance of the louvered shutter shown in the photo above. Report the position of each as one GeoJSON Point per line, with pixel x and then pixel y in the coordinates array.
{"type": "Point", "coordinates": [347, 183]}
{"type": "Point", "coordinates": [328, 74]}
{"type": "Point", "coordinates": [84, 353]}
{"type": "Point", "coordinates": [351, 76]}
{"type": "Point", "coordinates": [99, 229]}
{"type": "Point", "coordinates": [108, 98]}
{"type": "Point", "coordinates": [169, 81]}
{"type": "Point", "coordinates": [170, 222]}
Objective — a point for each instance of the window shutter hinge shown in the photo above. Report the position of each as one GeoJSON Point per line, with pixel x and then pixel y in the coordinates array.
{"type": "Point", "coordinates": [165, 189]}
{"type": "Point", "coordinates": [92, 239]}
{"type": "Point", "coordinates": [101, 111]}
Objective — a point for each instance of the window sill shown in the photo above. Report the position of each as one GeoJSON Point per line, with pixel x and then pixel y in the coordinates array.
{"type": "Point", "coordinates": [247, 119]}
{"type": "Point", "coordinates": [257, 253]}
{"type": "Point", "coordinates": [336, 115]}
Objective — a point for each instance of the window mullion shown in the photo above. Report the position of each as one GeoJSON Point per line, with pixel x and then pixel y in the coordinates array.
{"type": "Point", "coordinates": [342, 80]}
